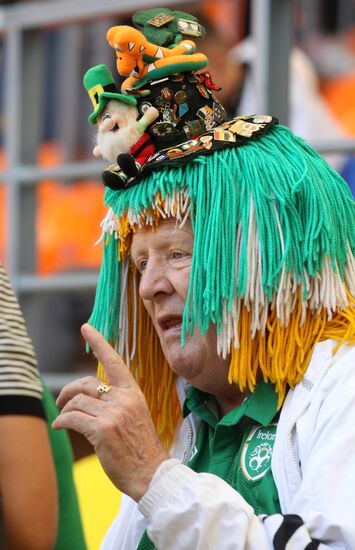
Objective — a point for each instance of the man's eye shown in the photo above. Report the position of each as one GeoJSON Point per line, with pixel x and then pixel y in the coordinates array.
{"type": "Point", "coordinates": [178, 255]}
{"type": "Point", "coordinates": [142, 264]}
{"type": "Point", "coordinates": [106, 116]}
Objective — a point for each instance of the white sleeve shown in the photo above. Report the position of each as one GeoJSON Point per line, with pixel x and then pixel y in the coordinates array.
{"type": "Point", "coordinates": [188, 510]}
{"type": "Point", "coordinates": [323, 440]}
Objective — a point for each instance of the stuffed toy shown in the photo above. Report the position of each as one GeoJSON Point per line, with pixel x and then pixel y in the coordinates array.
{"type": "Point", "coordinates": [140, 60]}
{"type": "Point", "coordinates": [167, 27]}
{"type": "Point", "coordinates": [176, 103]}
{"type": "Point", "coordinates": [121, 131]}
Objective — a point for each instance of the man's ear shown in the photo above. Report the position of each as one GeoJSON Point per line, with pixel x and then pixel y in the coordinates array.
{"type": "Point", "coordinates": [97, 152]}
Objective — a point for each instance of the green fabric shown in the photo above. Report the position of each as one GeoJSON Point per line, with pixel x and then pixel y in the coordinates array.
{"type": "Point", "coordinates": [220, 445]}
{"type": "Point", "coordinates": [70, 531]}
{"type": "Point", "coordinates": [173, 68]}
{"type": "Point", "coordinates": [101, 76]}
{"type": "Point", "coordinates": [145, 543]}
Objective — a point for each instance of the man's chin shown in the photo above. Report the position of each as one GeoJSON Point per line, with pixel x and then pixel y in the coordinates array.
{"type": "Point", "coordinates": [178, 360]}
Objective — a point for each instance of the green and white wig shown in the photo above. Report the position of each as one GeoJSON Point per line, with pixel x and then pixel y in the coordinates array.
{"type": "Point", "coordinates": [273, 263]}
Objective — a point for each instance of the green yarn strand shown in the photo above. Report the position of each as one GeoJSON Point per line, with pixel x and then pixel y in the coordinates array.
{"type": "Point", "coordinates": [105, 314]}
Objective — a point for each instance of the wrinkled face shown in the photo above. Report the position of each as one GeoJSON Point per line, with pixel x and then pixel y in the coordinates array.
{"type": "Point", "coordinates": [163, 258]}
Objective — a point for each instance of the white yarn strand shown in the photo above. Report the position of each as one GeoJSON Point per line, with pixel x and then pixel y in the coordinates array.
{"type": "Point", "coordinates": [349, 274]}
{"type": "Point", "coordinates": [135, 316]}
{"type": "Point", "coordinates": [123, 318]}
{"type": "Point", "coordinates": [108, 225]}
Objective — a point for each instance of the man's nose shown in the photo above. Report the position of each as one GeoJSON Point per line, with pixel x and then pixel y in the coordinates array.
{"type": "Point", "coordinates": [154, 281]}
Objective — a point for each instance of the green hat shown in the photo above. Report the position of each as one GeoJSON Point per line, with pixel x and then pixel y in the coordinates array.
{"type": "Point", "coordinates": [101, 87]}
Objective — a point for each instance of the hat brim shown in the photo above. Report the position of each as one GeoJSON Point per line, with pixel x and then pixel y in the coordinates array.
{"type": "Point", "coordinates": [231, 133]}
{"type": "Point", "coordinates": [105, 97]}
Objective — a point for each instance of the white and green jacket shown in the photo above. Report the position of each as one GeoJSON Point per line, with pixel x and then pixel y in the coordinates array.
{"type": "Point", "coordinates": [313, 465]}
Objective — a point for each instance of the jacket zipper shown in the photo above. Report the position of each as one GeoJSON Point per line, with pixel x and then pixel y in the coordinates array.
{"type": "Point", "coordinates": [188, 452]}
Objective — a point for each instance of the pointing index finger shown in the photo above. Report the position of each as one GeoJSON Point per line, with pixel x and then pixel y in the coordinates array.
{"type": "Point", "coordinates": [115, 368]}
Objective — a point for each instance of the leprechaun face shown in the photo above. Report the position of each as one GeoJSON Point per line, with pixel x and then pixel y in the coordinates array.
{"type": "Point", "coordinates": [112, 120]}
{"type": "Point", "coordinates": [163, 258]}
{"type": "Point", "coordinates": [117, 130]}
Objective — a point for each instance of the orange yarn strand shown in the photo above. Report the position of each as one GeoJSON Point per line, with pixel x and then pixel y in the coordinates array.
{"type": "Point", "coordinates": [282, 355]}
{"type": "Point", "coordinates": [155, 378]}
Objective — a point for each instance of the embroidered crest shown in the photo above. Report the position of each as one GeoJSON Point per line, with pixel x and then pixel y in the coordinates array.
{"type": "Point", "coordinates": [257, 451]}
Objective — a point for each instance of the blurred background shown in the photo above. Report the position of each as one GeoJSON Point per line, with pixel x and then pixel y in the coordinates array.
{"type": "Point", "coordinates": [294, 59]}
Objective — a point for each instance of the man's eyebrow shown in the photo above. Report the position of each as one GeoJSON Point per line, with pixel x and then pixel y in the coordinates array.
{"type": "Point", "coordinates": [137, 250]}
{"type": "Point", "coordinates": [133, 253]}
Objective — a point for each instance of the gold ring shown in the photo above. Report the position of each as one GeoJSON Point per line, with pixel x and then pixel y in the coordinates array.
{"type": "Point", "coordinates": [102, 388]}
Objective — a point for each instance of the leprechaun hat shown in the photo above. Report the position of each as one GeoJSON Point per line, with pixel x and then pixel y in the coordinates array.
{"type": "Point", "coordinates": [101, 87]}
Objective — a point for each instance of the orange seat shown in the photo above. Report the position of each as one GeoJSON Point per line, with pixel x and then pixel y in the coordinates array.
{"type": "Point", "coordinates": [339, 93]}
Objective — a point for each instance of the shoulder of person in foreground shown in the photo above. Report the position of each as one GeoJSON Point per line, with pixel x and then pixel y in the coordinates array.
{"type": "Point", "coordinates": [70, 527]}
{"type": "Point", "coordinates": [27, 476]}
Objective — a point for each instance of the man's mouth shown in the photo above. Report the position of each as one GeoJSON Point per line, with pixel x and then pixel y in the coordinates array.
{"type": "Point", "coordinates": [170, 322]}
{"type": "Point", "coordinates": [115, 128]}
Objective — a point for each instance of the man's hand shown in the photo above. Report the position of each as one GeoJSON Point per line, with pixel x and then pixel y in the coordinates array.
{"type": "Point", "coordinates": [118, 425]}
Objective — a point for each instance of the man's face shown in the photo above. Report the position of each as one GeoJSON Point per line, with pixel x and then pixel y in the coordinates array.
{"type": "Point", "coordinates": [163, 257]}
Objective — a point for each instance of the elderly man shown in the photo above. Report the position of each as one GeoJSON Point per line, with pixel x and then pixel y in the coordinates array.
{"type": "Point", "coordinates": [227, 288]}
{"type": "Point", "coordinates": [182, 508]}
